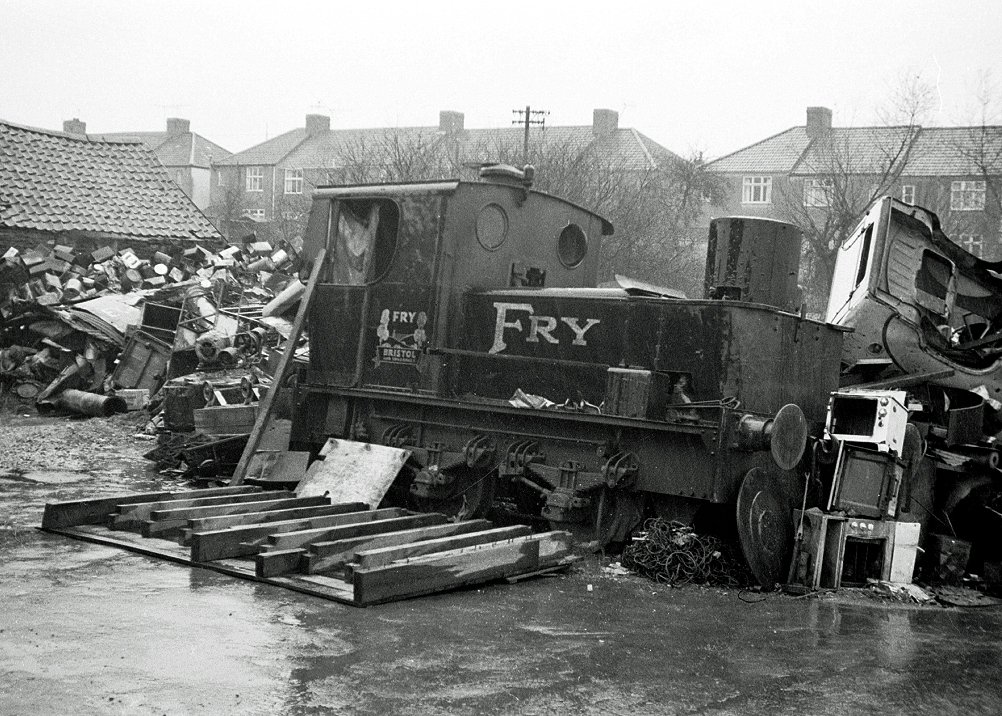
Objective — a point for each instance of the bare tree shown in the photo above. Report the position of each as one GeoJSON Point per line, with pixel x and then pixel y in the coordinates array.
{"type": "Point", "coordinates": [978, 209]}
{"type": "Point", "coordinates": [843, 172]}
{"type": "Point", "coordinates": [655, 210]}
{"type": "Point", "coordinates": [227, 210]}
{"type": "Point", "coordinates": [291, 213]}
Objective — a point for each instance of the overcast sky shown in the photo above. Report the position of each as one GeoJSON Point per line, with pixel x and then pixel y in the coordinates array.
{"type": "Point", "coordinates": [711, 76]}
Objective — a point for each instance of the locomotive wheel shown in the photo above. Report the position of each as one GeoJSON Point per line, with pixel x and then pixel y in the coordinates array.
{"type": "Point", "coordinates": [765, 525]}
{"type": "Point", "coordinates": [470, 496]}
{"type": "Point", "coordinates": [611, 517]}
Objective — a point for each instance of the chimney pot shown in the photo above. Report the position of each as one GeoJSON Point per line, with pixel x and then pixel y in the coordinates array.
{"type": "Point", "coordinates": [317, 123]}
{"type": "Point", "coordinates": [450, 121]}
{"type": "Point", "coordinates": [176, 127]}
{"type": "Point", "coordinates": [75, 126]}
{"type": "Point", "coordinates": [604, 122]}
{"type": "Point", "coordinates": [819, 121]}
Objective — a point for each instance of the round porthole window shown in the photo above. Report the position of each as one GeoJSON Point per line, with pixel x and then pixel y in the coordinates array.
{"type": "Point", "coordinates": [492, 227]}
{"type": "Point", "coordinates": [572, 245]}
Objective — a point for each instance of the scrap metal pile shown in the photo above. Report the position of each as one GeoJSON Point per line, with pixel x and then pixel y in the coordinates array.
{"type": "Point", "coordinates": [113, 330]}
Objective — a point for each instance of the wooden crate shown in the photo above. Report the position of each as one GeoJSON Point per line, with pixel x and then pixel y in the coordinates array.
{"type": "Point", "coordinates": [225, 419]}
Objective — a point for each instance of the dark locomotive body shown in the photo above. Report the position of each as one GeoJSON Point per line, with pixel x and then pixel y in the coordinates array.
{"type": "Point", "coordinates": [461, 321]}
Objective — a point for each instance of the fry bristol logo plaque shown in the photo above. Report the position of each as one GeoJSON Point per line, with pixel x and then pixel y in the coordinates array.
{"type": "Point", "coordinates": [400, 337]}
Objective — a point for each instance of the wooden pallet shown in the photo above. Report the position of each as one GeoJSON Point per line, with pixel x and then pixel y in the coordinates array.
{"type": "Point", "coordinates": [344, 552]}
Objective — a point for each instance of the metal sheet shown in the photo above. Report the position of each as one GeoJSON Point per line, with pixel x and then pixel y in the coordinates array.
{"type": "Point", "coordinates": [353, 472]}
{"type": "Point", "coordinates": [118, 310]}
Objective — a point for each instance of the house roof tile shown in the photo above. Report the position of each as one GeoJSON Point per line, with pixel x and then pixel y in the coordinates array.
{"type": "Point", "coordinates": [956, 151]}
{"type": "Point", "coordinates": [297, 148]}
{"type": "Point", "coordinates": [776, 154]}
{"type": "Point", "coordinates": [182, 150]}
{"type": "Point", "coordinates": [923, 151]}
{"type": "Point", "coordinates": [60, 182]}
{"type": "Point", "coordinates": [857, 150]}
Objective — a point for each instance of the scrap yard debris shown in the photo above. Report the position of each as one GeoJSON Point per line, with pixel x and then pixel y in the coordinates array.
{"type": "Point", "coordinates": [170, 328]}
{"type": "Point", "coordinates": [673, 553]}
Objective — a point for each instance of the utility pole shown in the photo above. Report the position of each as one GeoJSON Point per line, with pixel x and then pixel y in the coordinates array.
{"type": "Point", "coordinates": [528, 117]}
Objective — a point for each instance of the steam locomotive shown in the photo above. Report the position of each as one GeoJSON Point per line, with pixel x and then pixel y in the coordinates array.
{"type": "Point", "coordinates": [463, 322]}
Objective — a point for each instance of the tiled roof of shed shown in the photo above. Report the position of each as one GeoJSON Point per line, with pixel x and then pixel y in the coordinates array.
{"type": "Point", "coordinates": [778, 153]}
{"type": "Point", "coordinates": [52, 181]}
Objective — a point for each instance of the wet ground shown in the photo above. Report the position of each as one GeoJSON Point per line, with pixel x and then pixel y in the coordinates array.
{"type": "Point", "coordinates": [92, 629]}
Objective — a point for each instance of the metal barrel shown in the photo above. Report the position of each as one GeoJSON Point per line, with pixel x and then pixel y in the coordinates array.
{"type": "Point", "coordinates": [85, 403]}
{"type": "Point", "coordinates": [755, 260]}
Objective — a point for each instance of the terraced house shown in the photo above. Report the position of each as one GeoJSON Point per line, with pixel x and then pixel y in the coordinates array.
{"type": "Point", "coordinates": [815, 174]}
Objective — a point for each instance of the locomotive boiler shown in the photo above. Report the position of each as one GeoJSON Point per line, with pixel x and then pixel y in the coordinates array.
{"type": "Point", "coordinates": [463, 321]}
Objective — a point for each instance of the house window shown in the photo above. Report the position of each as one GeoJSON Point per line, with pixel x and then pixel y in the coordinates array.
{"type": "Point", "coordinates": [255, 179]}
{"type": "Point", "coordinates": [756, 190]}
{"type": "Point", "coordinates": [967, 196]}
{"type": "Point", "coordinates": [817, 191]}
{"type": "Point", "coordinates": [256, 214]}
{"type": "Point", "coordinates": [219, 179]}
{"type": "Point", "coordinates": [974, 243]}
{"type": "Point", "coordinates": [293, 181]}
{"type": "Point", "coordinates": [908, 193]}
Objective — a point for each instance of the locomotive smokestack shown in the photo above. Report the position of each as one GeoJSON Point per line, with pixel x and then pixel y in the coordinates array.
{"type": "Point", "coordinates": [755, 260]}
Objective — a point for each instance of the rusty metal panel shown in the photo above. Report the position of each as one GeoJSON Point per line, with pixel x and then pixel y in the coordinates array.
{"type": "Point", "coordinates": [142, 363]}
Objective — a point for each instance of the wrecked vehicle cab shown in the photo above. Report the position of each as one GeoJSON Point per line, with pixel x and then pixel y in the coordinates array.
{"type": "Point", "coordinates": [917, 302]}
{"type": "Point", "coordinates": [927, 318]}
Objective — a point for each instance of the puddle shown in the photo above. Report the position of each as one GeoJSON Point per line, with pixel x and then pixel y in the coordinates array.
{"type": "Point", "coordinates": [47, 477]}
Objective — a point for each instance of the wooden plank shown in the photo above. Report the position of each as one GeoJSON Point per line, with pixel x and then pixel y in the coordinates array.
{"type": "Point", "coordinates": [245, 541]}
{"type": "Point", "coordinates": [264, 413]}
{"type": "Point", "coordinates": [369, 558]}
{"type": "Point", "coordinates": [460, 567]}
{"type": "Point", "coordinates": [207, 524]}
{"type": "Point", "coordinates": [278, 562]}
{"type": "Point", "coordinates": [131, 516]}
{"type": "Point", "coordinates": [236, 508]}
{"type": "Point", "coordinates": [301, 538]}
{"type": "Point", "coordinates": [351, 470]}
{"type": "Point", "coordinates": [448, 570]}
{"type": "Point", "coordinates": [168, 523]}
{"type": "Point", "coordinates": [333, 554]}
{"type": "Point", "coordinates": [96, 510]}
{"type": "Point", "coordinates": [323, 587]}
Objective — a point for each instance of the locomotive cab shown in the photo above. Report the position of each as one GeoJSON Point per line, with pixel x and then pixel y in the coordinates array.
{"type": "Point", "coordinates": [401, 258]}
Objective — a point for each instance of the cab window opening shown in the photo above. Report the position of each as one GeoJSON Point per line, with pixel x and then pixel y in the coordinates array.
{"type": "Point", "coordinates": [365, 240]}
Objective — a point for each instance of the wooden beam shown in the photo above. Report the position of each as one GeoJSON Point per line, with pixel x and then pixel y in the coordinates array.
{"type": "Point", "coordinates": [244, 541]}
{"type": "Point", "coordinates": [168, 523]}
{"type": "Point", "coordinates": [460, 567]}
{"type": "Point", "coordinates": [131, 516]}
{"type": "Point", "coordinates": [446, 570]}
{"type": "Point", "coordinates": [366, 559]}
{"type": "Point", "coordinates": [96, 510]}
{"type": "Point", "coordinates": [278, 562]}
{"type": "Point", "coordinates": [207, 524]}
{"type": "Point", "coordinates": [278, 381]}
{"type": "Point", "coordinates": [303, 538]}
{"type": "Point", "coordinates": [333, 554]}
